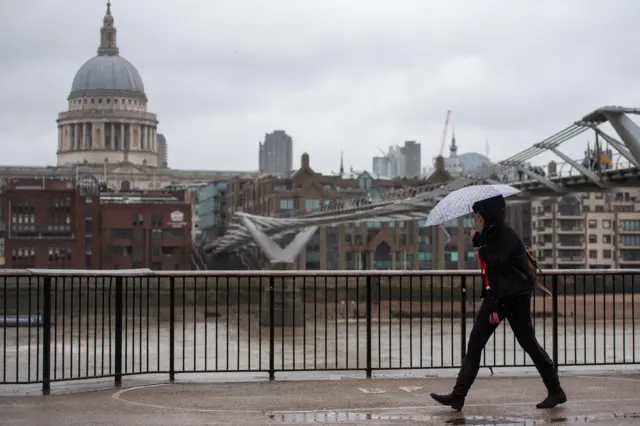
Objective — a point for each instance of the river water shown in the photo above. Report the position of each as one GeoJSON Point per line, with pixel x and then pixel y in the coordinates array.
{"type": "Point", "coordinates": [86, 348]}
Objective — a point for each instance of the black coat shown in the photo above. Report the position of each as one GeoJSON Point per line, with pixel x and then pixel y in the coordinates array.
{"type": "Point", "coordinates": [503, 252]}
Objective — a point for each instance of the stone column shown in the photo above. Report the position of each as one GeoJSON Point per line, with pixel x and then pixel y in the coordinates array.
{"type": "Point", "coordinates": [122, 146]}
{"type": "Point", "coordinates": [74, 136]}
{"type": "Point", "coordinates": [142, 137]}
{"type": "Point", "coordinates": [113, 135]}
{"type": "Point", "coordinates": [131, 135]}
{"type": "Point", "coordinates": [60, 134]}
{"type": "Point", "coordinates": [85, 129]}
{"type": "Point", "coordinates": [98, 135]}
{"type": "Point", "coordinates": [68, 135]}
{"type": "Point", "coordinates": [154, 141]}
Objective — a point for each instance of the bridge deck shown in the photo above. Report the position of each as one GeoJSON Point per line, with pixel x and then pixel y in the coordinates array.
{"type": "Point", "coordinates": [602, 399]}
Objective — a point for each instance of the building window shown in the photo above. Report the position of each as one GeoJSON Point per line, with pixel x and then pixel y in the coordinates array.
{"type": "Point", "coordinates": [59, 254]}
{"type": "Point", "coordinates": [606, 239]}
{"type": "Point", "coordinates": [593, 254]}
{"type": "Point", "coordinates": [312, 204]}
{"type": "Point", "coordinates": [630, 240]}
{"type": "Point", "coordinates": [630, 225]}
{"type": "Point", "coordinates": [173, 234]}
{"type": "Point", "coordinates": [138, 219]}
{"type": "Point", "coordinates": [593, 238]}
{"type": "Point", "coordinates": [286, 204]}
{"type": "Point", "coordinates": [606, 224]}
{"type": "Point", "coordinates": [156, 234]}
{"type": "Point", "coordinates": [122, 234]}
{"type": "Point", "coordinates": [606, 254]}
{"type": "Point", "coordinates": [593, 223]}
{"type": "Point", "coordinates": [156, 220]}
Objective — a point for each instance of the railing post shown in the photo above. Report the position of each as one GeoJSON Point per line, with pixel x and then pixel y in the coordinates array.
{"type": "Point", "coordinates": [463, 317]}
{"type": "Point", "coordinates": [118, 332]}
{"type": "Point", "coordinates": [172, 329]}
{"type": "Point", "coordinates": [46, 336]}
{"type": "Point", "coordinates": [554, 309]}
{"type": "Point", "coordinates": [272, 330]}
{"type": "Point", "coordinates": [368, 321]}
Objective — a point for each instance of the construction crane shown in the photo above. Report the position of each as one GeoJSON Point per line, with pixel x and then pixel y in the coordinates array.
{"type": "Point", "coordinates": [444, 133]}
{"type": "Point", "coordinates": [386, 156]}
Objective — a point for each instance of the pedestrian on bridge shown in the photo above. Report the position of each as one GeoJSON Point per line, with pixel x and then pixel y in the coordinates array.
{"type": "Point", "coordinates": [508, 286]}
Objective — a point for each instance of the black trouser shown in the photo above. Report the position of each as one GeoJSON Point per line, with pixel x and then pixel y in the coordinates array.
{"type": "Point", "coordinates": [517, 311]}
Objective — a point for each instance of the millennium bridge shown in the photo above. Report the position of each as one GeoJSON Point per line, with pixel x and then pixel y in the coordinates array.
{"type": "Point", "coordinates": [557, 178]}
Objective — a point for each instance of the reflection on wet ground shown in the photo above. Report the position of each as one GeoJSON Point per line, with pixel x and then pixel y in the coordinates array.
{"type": "Point", "coordinates": [345, 416]}
{"type": "Point", "coordinates": [598, 399]}
{"type": "Point", "coordinates": [449, 419]}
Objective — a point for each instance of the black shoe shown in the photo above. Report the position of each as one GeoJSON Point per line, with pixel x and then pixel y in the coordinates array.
{"type": "Point", "coordinates": [450, 400]}
{"type": "Point", "coordinates": [554, 398]}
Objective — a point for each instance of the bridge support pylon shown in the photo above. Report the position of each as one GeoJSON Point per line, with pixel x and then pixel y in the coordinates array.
{"type": "Point", "coordinates": [285, 291]}
{"type": "Point", "coordinates": [273, 251]}
{"type": "Point", "coordinates": [287, 296]}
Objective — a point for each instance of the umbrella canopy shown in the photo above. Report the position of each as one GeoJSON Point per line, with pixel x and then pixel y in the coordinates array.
{"type": "Point", "coordinates": [458, 203]}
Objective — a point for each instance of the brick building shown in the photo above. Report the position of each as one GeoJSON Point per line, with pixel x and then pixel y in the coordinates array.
{"type": "Point", "coordinates": [53, 223]}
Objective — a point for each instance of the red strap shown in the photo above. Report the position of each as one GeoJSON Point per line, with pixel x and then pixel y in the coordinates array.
{"type": "Point", "coordinates": [483, 268]}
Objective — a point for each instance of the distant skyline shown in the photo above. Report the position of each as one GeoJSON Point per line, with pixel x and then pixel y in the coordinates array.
{"type": "Point", "coordinates": [335, 75]}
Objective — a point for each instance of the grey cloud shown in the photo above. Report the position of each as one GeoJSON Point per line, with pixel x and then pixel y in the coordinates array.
{"type": "Point", "coordinates": [336, 75]}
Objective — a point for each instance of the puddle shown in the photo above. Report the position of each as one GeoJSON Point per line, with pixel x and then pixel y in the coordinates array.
{"type": "Point", "coordinates": [511, 421]}
{"type": "Point", "coordinates": [343, 416]}
{"type": "Point", "coordinates": [627, 416]}
{"type": "Point", "coordinates": [347, 416]}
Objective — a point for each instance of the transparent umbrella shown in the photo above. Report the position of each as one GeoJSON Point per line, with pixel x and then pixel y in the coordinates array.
{"type": "Point", "coordinates": [459, 202]}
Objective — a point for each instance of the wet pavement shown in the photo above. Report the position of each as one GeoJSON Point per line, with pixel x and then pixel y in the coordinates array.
{"type": "Point", "coordinates": [605, 399]}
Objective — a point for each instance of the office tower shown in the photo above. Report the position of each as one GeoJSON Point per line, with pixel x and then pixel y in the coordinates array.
{"type": "Point", "coordinates": [275, 154]}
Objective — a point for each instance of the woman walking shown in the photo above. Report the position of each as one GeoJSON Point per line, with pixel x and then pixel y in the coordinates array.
{"type": "Point", "coordinates": [507, 291]}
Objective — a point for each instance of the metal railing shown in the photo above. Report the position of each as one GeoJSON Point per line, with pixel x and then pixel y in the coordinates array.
{"type": "Point", "coordinates": [70, 325]}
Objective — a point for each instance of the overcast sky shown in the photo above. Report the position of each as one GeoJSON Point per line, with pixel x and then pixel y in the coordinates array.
{"type": "Point", "coordinates": [352, 75]}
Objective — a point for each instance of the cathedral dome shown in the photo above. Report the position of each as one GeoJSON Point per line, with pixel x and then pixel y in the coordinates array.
{"type": "Point", "coordinates": [108, 72]}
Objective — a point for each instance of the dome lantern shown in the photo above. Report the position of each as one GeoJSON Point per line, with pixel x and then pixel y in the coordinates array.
{"type": "Point", "coordinates": [108, 34]}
